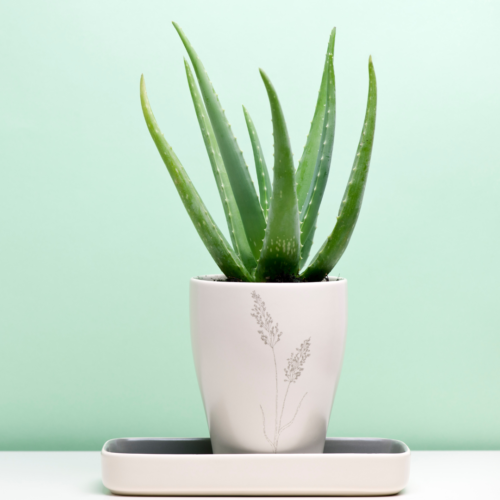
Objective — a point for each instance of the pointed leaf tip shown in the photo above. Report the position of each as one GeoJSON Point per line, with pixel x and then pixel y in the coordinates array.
{"type": "Point", "coordinates": [314, 142]}
{"type": "Point", "coordinates": [265, 187]}
{"type": "Point", "coordinates": [336, 243]}
{"type": "Point", "coordinates": [233, 216]}
{"type": "Point", "coordinates": [239, 177]}
{"type": "Point", "coordinates": [283, 217]}
{"type": "Point", "coordinates": [227, 260]}
{"type": "Point", "coordinates": [177, 28]}
{"type": "Point", "coordinates": [267, 81]}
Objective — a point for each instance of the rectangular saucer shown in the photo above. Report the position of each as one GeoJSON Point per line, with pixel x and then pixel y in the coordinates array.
{"type": "Point", "coordinates": [175, 466]}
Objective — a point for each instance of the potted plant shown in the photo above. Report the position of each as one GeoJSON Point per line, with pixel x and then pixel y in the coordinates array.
{"type": "Point", "coordinates": [268, 334]}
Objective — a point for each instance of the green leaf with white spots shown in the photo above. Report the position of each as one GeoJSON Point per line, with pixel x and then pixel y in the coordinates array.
{"type": "Point", "coordinates": [233, 218]}
{"type": "Point", "coordinates": [309, 214]}
{"type": "Point", "coordinates": [306, 246]}
{"type": "Point", "coordinates": [220, 250]}
{"type": "Point", "coordinates": [279, 259]}
{"type": "Point", "coordinates": [265, 188]}
{"type": "Point", "coordinates": [335, 245]}
{"type": "Point", "coordinates": [307, 164]}
{"type": "Point", "coordinates": [237, 170]}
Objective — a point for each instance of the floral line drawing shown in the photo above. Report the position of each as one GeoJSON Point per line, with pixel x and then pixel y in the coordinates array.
{"type": "Point", "coordinates": [271, 335]}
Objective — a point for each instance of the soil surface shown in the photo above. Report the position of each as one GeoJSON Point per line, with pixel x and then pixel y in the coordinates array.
{"type": "Point", "coordinates": [294, 279]}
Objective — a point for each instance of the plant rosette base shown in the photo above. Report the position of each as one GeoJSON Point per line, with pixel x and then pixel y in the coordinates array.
{"type": "Point", "coordinates": [268, 358]}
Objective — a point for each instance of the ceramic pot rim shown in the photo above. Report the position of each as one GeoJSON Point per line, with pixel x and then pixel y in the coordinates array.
{"type": "Point", "coordinates": [209, 279]}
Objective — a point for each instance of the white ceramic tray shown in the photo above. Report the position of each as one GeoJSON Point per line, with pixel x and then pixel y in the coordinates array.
{"type": "Point", "coordinates": [169, 466]}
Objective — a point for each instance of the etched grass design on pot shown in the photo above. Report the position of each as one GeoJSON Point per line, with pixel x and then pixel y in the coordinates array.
{"type": "Point", "coordinates": [271, 235]}
{"type": "Point", "coordinates": [270, 335]}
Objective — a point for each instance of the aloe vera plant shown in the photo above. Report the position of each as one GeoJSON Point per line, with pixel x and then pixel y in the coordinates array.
{"type": "Point", "coordinates": [271, 233]}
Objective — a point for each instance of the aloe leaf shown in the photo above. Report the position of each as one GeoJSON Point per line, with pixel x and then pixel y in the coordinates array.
{"type": "Point", "coordinates": [233, 218]}
{"type": "Point", "coordinates": [237, 170]}
{"type": "Point", "coordinates": [279, 259]}
{"type": "Point", "coordinates": [335, 245]}
{"type": "Point", "coordinates": [306, 246]}
{"type": "Point", "coordinates": [265, 188]}
{"type": "Point", "coordinates": [314, 197]}
{"type": "Point", "coordinates": [307, 164]}
{"type": "Point", "coordinates": [224, 256]}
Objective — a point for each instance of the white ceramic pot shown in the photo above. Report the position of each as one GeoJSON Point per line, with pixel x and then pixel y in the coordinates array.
{"type": "Point", "coordinates": [268, 358]}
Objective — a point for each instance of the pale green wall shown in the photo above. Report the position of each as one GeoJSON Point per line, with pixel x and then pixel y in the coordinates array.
{"type": "Point", "coordinates": [96, 249]}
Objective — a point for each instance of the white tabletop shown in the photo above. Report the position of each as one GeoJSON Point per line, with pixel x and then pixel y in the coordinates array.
{"type": "Point", "coordinates": [443, 475]}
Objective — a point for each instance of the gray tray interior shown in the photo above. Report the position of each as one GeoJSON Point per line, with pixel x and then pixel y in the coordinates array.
{"type": "Point", "coordinates": [202, 446]}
